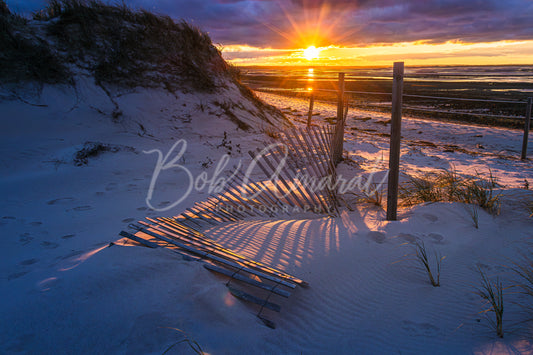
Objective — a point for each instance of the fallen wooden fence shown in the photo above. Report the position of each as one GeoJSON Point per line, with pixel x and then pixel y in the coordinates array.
{"type": "Point", "coordinates": [299, 156]}
{"type": "Point", "coordinates": [175, 234]}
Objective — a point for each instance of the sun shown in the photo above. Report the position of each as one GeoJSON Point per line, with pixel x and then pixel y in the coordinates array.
{"type": "Point", "coordinates": [311, 53]}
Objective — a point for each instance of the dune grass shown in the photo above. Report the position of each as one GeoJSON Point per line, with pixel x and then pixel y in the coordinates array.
{"type": "Point", "coordinates": [374, 195]}
{"type": "Point", "coordinates": [121, 47]}
{"type": "Point", "coordinates": [116, 43]}
{"type": "Point", "coordinates": [448, 186]}
{"type": "Point", "coordinates": [422, 256]}
{"type": "Point", "coordinates": [25, 56]}
{"type": "Point", "coordinates": [129, 46]}
{"type": "Point", "coordinates": [492, 293]}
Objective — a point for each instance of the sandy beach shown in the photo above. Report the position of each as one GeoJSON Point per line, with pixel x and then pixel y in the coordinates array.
{"type": "Point", "coordinates": [64, 284]}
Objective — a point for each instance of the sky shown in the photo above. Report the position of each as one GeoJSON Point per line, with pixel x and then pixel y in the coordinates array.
{"type": "Point", "coordinates": [356, 32]}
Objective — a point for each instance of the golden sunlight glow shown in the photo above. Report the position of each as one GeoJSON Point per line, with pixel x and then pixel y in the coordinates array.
{"type": "Point", "coordinates": [311, 53]}
{"type": "Point", "coordinates": [412, 53]}
{"type": "Point", "coordinates": [334, 45]}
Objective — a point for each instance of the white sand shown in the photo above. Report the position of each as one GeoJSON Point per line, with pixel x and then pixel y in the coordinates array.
{"type": "Point", "coordinates": [64, 291]}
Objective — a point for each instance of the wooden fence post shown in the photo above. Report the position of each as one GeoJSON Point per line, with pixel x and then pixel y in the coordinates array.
{"type": "Point", "coordinates": [395, 138]}
{"type": "Point", "coordinates": [526, 128]}
{"type": "Point", "coordinates": [311, 103]}
{"type": "Point", "coordinates": [339, 131]}
{"type": "Point", "coordinates": [346, 107]}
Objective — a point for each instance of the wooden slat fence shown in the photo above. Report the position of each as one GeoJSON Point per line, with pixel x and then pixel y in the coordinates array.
{"type": "Point", "coordinates": [300, 174]}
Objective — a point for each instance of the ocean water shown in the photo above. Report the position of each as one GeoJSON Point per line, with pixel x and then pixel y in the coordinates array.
{"type": "Point", "coordinates": [494, 95]}
{"type": "Point", "coordinates": [519, 78]}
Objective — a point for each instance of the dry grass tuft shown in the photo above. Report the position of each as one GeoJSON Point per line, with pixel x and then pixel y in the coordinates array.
{"type": "Point", "coordinates": [422, 256]}
{"type": "Point", "coordinates": [374, 195]}
{"type": "Point", "coordinates": [448, 186]}
{"type": "Point", "coordinates": [492, 292]}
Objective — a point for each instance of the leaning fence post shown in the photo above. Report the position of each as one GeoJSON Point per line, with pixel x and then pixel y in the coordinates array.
{"type": "Point", "coordinates": [526, 128]}
{"type": "Point", "coordinates": [395, 138]}
{"type": "Point", "coordinates": [339, 131]}
{"type": "Point", "coordinates": [311, 103]}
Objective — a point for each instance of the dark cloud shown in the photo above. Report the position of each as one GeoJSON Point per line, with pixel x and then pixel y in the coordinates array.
{"type": "Point", "coordinates": [286, 24]}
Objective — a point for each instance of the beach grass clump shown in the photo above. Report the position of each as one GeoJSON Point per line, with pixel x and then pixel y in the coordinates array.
{"type": "Point", "coordinates": [421, 189]}
{"type": "Point", "coordinates": [474, 214]}
{"type": "Point", "coordinates": [374, 195]}
{"type": "Point", "coordinates": [24, 55]}
{"type": "Point", "coordinates": [448, 186]}
{"type": "Point", "coordinates": [480, 191]}
{"type": "Point", "coordinates": [422, 256]}
{"type": "Point", "coordinates": [492, 293]}
{"type": "Point", "coordinates": [130, 47]}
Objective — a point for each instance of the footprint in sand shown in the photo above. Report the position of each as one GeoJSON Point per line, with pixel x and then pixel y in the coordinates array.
{"type": "Point", "coordinates": [407, 237]}
{"type": "Point", "coordinates": [83, 208]}
{"type": "Point", "coordinates": [437, 238]}
{"type": "Point", "coordinates": [60, 200]}
{"type": "Point", "coordinates": [5, 220]}
{"type": "Point", "coordinates": [16, 275]}
{"type": "Point", "coordinates": [142, 208]}
{"type": "Point", "coordinates": [99, 193]}
{"type": "Point", "coordinates": [430, 217]}
{"type": "Point", "coordinates": [420, 329]}
{"type": "Point", "coordinates": [36, 224]}
{"type": "Point", "coordinates": [377, 237]}
{"type": "Point", "coordinates": [49, 245]}
{"type": "Point", "coordinates": [128, 220]}
{"type": "Point", "coordinates": [28, 262]}
{"type": "Point", "coordinates": [68, 236]}
{"type": "Point", "coordinates": [111, 186]}
{"type": "Point", "coordinates": [69, 255]}
{"type": "Point", "coordinates": [25, 238]}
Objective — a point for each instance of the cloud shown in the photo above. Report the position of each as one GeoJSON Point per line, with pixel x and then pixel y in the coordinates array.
{"type": "Point", "coordinates": [292, 24]}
